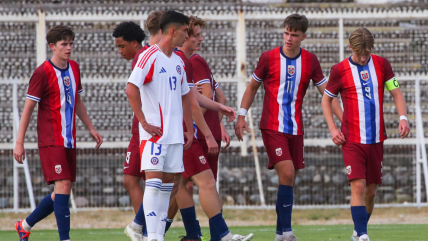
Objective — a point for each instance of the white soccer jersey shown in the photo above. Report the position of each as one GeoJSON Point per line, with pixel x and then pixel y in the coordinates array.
{"type": "Point", "coordinates": [162, 82]}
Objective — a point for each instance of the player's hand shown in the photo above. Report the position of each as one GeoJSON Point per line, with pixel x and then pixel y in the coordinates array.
{"type": "Point", "coordinates": [225, 138]}
{"type": "Point", "coordinates": [404, 129]}
{"type": "Point", "coordinates": [19, 153]}
{"type": "Point", "coordinates": [189, 137]}
{"type": "Point", "coordinates": [97, 137]}
{"type": "Point", "coordinates": [212, 145]}
{"type": "Point", "coordinates": [337, 137]}
{"type": "Point", "coordinates": [228, 111]}
{"type": "Point", "coordinates": [152, 130]}
{"type": "Point", "coordinates": [199, 87]}
{"type": "Point", "coordinates": [241, 124]}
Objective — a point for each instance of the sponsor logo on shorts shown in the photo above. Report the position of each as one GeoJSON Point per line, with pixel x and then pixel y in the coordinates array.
{"type": "Point", "coordinates": [154, 160]}
{"type": "Point", "coordinates": [58, 169]}
{"type": "Point", "coordinates": [348, 170]}
{"type": "Point", "coordinates": [128, 156]}
{"type": "Point", "coordinates": [202, 159]}
{"type": "Point", "coordinates": [278, 151]}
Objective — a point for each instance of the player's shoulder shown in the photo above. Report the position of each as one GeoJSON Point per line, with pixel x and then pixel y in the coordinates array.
{"type": "Point", "coordinates": [43, 68]}
{"type": "Point", "coordinates": [270, 52]}
{"type": "Point", "coordinates": [197, 58]}
{"type": "Point", "coordinates": [381, 60]}
{"type": "Point", "coordinates": [148, 56]}
{"type": "Point", "coordinates": [73, 64]}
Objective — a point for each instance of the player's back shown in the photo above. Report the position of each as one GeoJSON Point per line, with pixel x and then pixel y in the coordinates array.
{"type": "Point", "coordinates": [285, 82]}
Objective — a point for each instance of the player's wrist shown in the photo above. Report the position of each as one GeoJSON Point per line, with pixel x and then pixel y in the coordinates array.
{"type": "Point", "coordinates": [242, 112]}
{"type": "Point", "coordinates": [403, 117]}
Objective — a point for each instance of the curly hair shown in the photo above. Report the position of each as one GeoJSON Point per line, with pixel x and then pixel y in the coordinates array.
{"type": "Point", "coordinates": [129, 31]}
{"type": "Point", "coordinates": [195, 21]}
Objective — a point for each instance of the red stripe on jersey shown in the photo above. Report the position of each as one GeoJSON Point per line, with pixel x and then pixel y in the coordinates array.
{"type": "Point", "coordinates": [147, 56]}
{"type": "Point", "coordinates": [353, 113]}
{"type": "Point", "coordinates": [275, 69]}
{"type": "Point", "coordinates": [380, 73]}
{"type": "Point", "coordinates": [55, 100]}
{"type": "Point", "coordinates": [142, 145]}
{"type": "Point", "coordinates": [149, 76]}
{"type": "Point", "coordinates": [306, 59]}
{"type": "Point", "coordinates": [156, 137]}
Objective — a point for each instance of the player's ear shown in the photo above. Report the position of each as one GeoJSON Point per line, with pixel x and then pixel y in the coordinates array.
{"type": "Point", "coordinates": [52, 46]}
{"type": "Point", "coordinates": [134, 43]}
{"type": "Point", "coordinates": [350, 47]}
{"type": "Point", "coordinates": [303, 37]}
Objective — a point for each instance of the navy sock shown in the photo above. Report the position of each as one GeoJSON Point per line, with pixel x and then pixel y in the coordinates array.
{"type": "Point", "coordinates": [140, 219]}
{"type": "Point", "coordinates": [359, 215]}
{"type": "Point", "coordinates": [45, 208]}
{"type": "Point", "coordinates": [219, 225]}
{"type": "Point", "coordinates": [168, 225]}
{"type": "Point", "coordinates": [62, 214]}
{"type": "Point", "coordinates": [285, 206]}
{"type": "Point", "coordinates": [368, 217]}
{"type": "Point", "coordinates": [278, 221]}
{"type": "Point", "coordinates": [190, 222]}
{"type": "Point", "coordinates": [213, 232]}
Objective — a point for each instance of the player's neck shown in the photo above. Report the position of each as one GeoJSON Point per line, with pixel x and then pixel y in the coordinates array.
{"type": "Point", "coordinates": [186, 52]}
{"type": "Point", "coordinates": [166, 46]}
{"type": "Point", "coordinates": [155, 39]}
{"type": "Point", "coordinates": [291, 53]}
{"type": "Point", "coordinates": [58, 62]}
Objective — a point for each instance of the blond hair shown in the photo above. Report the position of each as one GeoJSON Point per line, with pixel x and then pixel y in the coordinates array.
{"type": "Point", "coordinates": [195, 21]}
{"type": "Point", "coordinates": [361, 41]}
{"type": "Point", "coordinates": [153, 22]}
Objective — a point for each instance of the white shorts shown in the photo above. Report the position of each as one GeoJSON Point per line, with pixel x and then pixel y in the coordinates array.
{"type": "Point", "coordinates": [161, 157]}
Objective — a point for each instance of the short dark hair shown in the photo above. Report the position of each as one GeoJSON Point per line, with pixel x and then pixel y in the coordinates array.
{"type": "Point", "coordinates": [153, 22]}
{"type": "Point", "coordinates": [129, 31]}
{"type": "Point", "coordinates": [296, 22]}
{"type": "Point", "coordinates": [172, 17]}
{"type": "Point", "coordinates": [58, 33]}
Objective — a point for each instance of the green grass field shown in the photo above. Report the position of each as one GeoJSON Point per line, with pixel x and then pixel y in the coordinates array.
{"type": "Point", "coordinates": [402, 232]}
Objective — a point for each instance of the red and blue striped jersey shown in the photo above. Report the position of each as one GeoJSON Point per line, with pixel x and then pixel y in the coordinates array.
{"type": "Point", "coordinates": [361, 89]}
{"type": "Point", "coordinates": [285, 82]}
{"type": "Point", "coordinates": [55, 90]}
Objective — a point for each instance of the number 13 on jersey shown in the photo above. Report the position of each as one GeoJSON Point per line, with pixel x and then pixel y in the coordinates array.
{"type": "Point", "coordinates": [173, 82]}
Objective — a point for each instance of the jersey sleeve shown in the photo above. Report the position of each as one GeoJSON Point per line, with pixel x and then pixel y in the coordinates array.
{"type": "Point", "coordinates": [37, 86]}
{"type": "Point", "coordinates": [200, 73]}
{"type": "Point", "coordinates": [334, 84]}
{"type": "Point", "coordinates": [215, 84]}
{"type": "Point", "coordinates": [184, 85]}
{"type": "Point", "coordinates": [189, 74]}
{"type": "Point", "coordinates": [389, 74]}
{"type": "Point", "coordinates": [262, 67]}
{"type": "Point", "coordinates": [79, 81]}
{"type": "Point", "coordinates": [317, 76]}
{"type": "Point", "coordinates": [143, 71]}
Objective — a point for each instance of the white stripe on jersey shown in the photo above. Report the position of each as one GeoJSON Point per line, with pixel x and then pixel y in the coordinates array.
{"type": "Point", "coordinates": [376, 98]}
{"type": "Point", "coordinates": [361, 109]}
{"type": "Point", "coordinates": [73, 87]}
{"type": "Point", "coordinates": [298, 74]}
{"type": "Point", "coordinates": [63, 104]}
{"type": "Point", "coordinates": [280, 96]}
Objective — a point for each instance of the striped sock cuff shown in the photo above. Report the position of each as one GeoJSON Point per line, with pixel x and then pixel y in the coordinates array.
{"type": "Point", "coordinates": [167, 187]}
{"type": "Point", "coordinates": [154, 182]}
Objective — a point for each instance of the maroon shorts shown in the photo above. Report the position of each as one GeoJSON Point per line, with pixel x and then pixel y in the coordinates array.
{"type": "Point", "coordinates": [58, 163]}
{"type": "Point", "coordinates": [194, 160]}
{"type": "Point", "coordinates": [212, 159]}
{"type": "Point", "coordinates": [363, 161]}
{"type": "Point", "coordinates": [132, 164]}
{"type": "Point", "coordinates": [282, 147]}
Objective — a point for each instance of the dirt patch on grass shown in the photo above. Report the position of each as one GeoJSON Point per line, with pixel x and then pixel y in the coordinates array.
{"type": "Point", "coordinates": [241, 217]}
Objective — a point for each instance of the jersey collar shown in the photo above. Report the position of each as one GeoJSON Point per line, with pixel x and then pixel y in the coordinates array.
{"type": "Point", "coordinates": [285, 56]}
{"type": "Point", "coordinates": [352, 62]}
{"type": "Point", "coordinates": [58, 68]}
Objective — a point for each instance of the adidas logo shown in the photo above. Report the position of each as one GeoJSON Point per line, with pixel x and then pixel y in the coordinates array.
{"type": "Point", "coordinates": [164, 220]}
{"type": "Point", "coordinates": [162, 71]}
{"type": "Point", "coordinates": [152, 214]}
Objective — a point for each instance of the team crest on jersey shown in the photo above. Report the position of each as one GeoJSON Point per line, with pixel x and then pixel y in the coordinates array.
{"type": "Point", "coordinates": [58, 169]}
{"type": "Point", "coordinates": [154, 160]}
{"type": "Point", "coordinates": [364, 75]}
{"type": "Point", "coordinates": [202, 159]}
{"type": "Point", "coordinates": [66, 81]}
{"type": "Point", "coordinates": [178, 69]}
{"type": "Point", "coordinates": [278, 151]}
{"type": "Point", "coordinates": [348, 170]}
{"type": "Point", "coordinates": [291, 70]}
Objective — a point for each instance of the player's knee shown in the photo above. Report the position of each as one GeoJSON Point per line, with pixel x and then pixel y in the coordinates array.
{"type": "Point", "coordinates": [129, 182]}
{"type": "Point", "coordinates": [63, 186]}
{"type": "Point", "coordinates": [370, 194]}
{"type": "Point", "coordinates": [207, 184]}
{"type": "Point", "coordinates": [358, 187]}
{"type": "Point", "coordinates": [286, 177]}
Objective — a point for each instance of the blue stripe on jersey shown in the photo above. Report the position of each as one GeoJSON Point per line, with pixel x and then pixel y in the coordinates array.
{"type": "Point", "coordinates": [369, 105]}
{"type": "Point", "coordinates": [290, 81]}
{"type": "Point", "coordinates": [196, 130]}
{"type": "Point", "coordinates": [69, 106]}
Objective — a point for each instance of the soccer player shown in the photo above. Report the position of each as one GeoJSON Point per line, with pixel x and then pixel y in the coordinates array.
{"type": "Point", "coordinates": [55, 85]}
{"type": "Point", "coordinates": [158, 94]}
{"type": "Point", "coordinates": [361, 80]}
{"type": "Point", "coordinates": [129, 37]}
{"type": "Point", "coordinates": [286, 72]}
{"type": "Point", "coordinates": [196, 166]}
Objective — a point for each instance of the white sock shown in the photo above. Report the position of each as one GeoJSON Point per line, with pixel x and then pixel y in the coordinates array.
{"type": "Point", "coordinates": [135, 225]}
{"type": "Point", "coordinates": [151, 205]}
{"type": "Point", "coordinates": [287, 234]}
{"type": "Point", "coordinates": [26, 226]}
{"type": "Point", "coordinates": [164, 196]}
{"type": "Point", "coordinates": [228, 237]}
{"type": "Point", "coordinates": [278, 237]}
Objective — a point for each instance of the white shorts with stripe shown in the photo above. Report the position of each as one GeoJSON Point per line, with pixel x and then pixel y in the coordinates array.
{"type": "Point", "coordinates": [161, 157]}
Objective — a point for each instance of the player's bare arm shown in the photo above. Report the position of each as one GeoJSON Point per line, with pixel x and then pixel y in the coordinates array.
{"type": "Point", "coordinates": [212, 105]}
{"type": "Point", "coordinates": [187, 116]}
{"type": "Point", "coordinates": [400, 104]}
{"type": "Point", "coordinates": [19, 152]}
{"type": "Point", "coordinates": [205, 89]}
{"type": "Point", "coordinates": [199, 119]}
{"type": "Point", "coordinates": [337, 109]}
{"type": "Point", "coordinates": [336, 135]}
{"type": "Point", "coordinates": [247, 101]}
{"type": "Point", "coordinates": [133, 94]}
{"type": "Point", "coordinates": [83, 116]}
{"type": "Point", "coordinates": [222, 100]}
